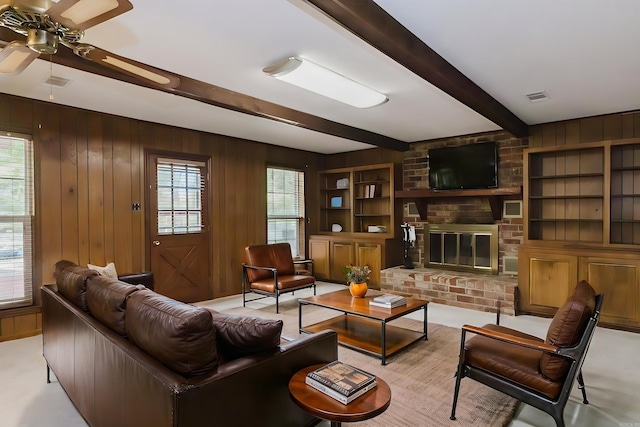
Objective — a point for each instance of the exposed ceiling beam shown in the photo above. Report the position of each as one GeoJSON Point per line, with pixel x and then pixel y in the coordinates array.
{"type": "Point", "coordinates": [221, 97]}
{"type": "Point", "coordinates": [374, 25]}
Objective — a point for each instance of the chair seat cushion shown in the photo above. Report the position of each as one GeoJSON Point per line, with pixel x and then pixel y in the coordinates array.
{"type": "Point", "coordinates": [284, 283]}
{"type": "Point", "coordinates": [516, 363]}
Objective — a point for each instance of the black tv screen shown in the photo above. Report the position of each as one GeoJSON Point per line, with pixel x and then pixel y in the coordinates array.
{"type": "Point", "coordinates": [464, 167]}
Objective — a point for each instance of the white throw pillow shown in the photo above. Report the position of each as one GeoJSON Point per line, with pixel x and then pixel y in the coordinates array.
{"type": "Point", "coordinates": [108, 270]}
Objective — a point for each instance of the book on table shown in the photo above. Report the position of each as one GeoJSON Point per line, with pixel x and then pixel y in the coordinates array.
{"type": "Point", "coordinates": [341, 381]}
{"type": "Point", "coordinates": [388, 301]}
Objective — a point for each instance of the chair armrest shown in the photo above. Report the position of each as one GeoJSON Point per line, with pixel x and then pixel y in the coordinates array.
{"type": "Point", "coordinates": [145, 278]}
{"type": "Point", "coordinates": [523, 342]}
{"type": "Point", "coordinates": [255, 267]}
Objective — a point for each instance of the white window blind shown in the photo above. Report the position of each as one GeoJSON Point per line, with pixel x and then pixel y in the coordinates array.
{"type": "Point", "coordinates": [179, 189]}
{"type": "Point", "coordinates": [16, 220]}
{"type": "Point", "coordinates": [285, 208]}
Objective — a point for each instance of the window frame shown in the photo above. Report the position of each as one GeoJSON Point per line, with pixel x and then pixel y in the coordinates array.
{"type": "Point", "coordinates": [24, 219]}
{"type": "Point", "coordinates": [299, 251]}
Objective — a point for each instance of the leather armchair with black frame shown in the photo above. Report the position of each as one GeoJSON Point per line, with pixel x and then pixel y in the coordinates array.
{"type": "Point", "coordinates": [540, 373]}
{"type": "Point", "coordinates": [270, 271]}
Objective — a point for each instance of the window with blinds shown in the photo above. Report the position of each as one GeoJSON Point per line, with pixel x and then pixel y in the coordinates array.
{"type": "Point", "coordinates": [16, 220]}
{"type": "Point", "coordinates": [285, 208]}
{"type": "Point", "coordinates": [179, 188]}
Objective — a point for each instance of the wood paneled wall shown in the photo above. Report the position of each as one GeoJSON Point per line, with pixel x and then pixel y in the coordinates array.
{"type": "Point", "coordinates": [90, 170]}
{"type": "Point", "coordinates": [588, 129]}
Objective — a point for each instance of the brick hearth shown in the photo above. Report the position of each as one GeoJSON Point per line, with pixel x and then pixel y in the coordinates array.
{"type": "Point", "coordinates": [475, 291]}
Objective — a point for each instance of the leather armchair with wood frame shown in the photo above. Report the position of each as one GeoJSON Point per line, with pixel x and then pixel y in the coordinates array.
{"type": "Point", "coordinates": [270, 271]}
{"type": "Point", "coordinates": [540, 373]}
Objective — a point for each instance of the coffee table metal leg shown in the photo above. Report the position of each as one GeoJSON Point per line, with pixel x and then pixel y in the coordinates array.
{"type": "Point", "coordinates": [425, 322]}
{"type": "Point", "coordinates": [384, 342]}
{"type": "Point", "coordinates": [299, 317]}
{"type": "Point", "coordinates": [336, 424]}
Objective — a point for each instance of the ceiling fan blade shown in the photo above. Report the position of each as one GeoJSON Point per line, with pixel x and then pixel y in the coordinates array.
{"type": "Point", "coordinates": [83, 14]}
{"type": "Point", "coordinates": [15, 57]}
{"type": "Point", "coordinates": [155, 76]}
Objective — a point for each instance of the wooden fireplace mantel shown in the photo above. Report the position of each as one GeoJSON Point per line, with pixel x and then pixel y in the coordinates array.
{"type": "Point", "coordinates": [493, 195]}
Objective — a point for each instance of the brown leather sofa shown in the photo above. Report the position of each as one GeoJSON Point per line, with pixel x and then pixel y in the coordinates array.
{"type": "Point", "coordinates": [127, 356]}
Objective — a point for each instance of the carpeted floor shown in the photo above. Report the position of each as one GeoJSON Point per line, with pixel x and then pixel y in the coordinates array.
{"type": "Point", "coordinates": [421, 378]}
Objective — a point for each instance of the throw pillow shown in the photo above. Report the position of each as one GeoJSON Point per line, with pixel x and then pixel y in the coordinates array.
{"type": "Point", "coordinates": [238, 336]}
{"type": "Point", "coordinates": [108, 270]}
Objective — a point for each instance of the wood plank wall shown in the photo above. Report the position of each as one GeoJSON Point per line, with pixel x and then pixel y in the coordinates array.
{"type": "Point", "coordinates": [589, 129]}
{"type": "Point", "coordinates": [90, 170]}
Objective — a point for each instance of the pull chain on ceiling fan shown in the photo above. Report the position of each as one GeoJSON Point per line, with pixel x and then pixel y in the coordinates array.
{"type": "Point", "coordinates": [48, 25]}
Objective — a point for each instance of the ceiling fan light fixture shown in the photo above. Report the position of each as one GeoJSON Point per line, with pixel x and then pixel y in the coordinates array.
{"type": "Point", "coordinates": [316, 78]}
{"type": "Point", "coordinates": [42, 41]}
{"type": "Point", "coordinates": [15, 57]}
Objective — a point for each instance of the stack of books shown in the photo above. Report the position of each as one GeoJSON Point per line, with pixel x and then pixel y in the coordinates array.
{"type": "Point", "coordinates": [340, 381]}
{"type": "Point", "coordinates": [388, 301]}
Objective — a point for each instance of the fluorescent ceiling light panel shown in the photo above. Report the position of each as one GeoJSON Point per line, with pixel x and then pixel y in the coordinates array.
{"type": "Point", "coordinates": [15, 57]}
{"type": "Point", "coordinates": [310, 76]}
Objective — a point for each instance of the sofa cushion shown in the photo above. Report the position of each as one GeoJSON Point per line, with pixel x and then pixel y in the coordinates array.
{"type": "Point", "coordinates": [106, 299]}
{"type": "Point", "coordinates": [567, 328]}
{"type": "Point", "coordinates": [238, 336]}
{"type": "Point", "coordinates": [179, 335]}
{"type": "Point", "coordinates": [71, 280]}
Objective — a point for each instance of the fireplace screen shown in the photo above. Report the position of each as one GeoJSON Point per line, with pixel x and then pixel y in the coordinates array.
{"type": "Point", "coordinates": [463, 247]}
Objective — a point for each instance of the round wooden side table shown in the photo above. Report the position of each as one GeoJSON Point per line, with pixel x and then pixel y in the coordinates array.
{"type": "Point", "coordinates": [369, 405]}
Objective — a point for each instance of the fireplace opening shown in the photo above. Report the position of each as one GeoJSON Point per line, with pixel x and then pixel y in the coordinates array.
{"type": "Point", "coordinates": [467, 247]}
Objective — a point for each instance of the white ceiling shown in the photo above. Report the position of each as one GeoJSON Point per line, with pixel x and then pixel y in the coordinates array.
{"type": "Point", "coordinates": [582, 53]}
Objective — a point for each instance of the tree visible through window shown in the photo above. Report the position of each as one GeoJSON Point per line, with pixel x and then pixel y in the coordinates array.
{"type": "Point", "coordinates": [285, 208]}
{"type": "Point", "coordinates": [16, 212]}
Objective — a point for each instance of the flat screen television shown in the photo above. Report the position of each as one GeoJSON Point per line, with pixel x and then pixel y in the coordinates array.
{"type": "Point", "coordinates": [464, 167]}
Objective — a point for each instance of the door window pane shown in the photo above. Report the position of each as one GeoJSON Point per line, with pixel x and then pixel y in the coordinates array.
{"type": "Point", "coordinates": [179, 189]}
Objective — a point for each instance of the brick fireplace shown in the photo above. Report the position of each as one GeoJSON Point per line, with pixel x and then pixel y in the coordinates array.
{"type": "Point", "coordinates": [440, 279]}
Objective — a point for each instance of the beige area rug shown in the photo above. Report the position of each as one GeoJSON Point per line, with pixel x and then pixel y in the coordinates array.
{"type": "Point", "coordinates": [421, 377]}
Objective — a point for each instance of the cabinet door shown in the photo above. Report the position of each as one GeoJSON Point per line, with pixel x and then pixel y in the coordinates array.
{"type": "Point", "coordinates": [319, 253]}
{"type": "Point", "coordinates": [341, 256]}
{"type": "Point", "coordinates": [370, 254]}
{"type": "Point", "coordinates": [545, 280]}
{"type": "Point", "coordinates": [619, 280]}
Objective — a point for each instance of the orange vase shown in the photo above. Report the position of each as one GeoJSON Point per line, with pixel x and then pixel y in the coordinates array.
{"type": "Point", "coordinates": [358, 290]}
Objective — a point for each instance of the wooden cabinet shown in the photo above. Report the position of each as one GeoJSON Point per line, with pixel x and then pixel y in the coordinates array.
{"type": "Point", "coordinates": [547, 277]}
{"type": "Point", "coordinates": [341, 255]}
{"type": "Point", "coordinates": [360, 202]}
{"type": "Point", "coordinates": [342, 251]}
{"type": "Point", "coordinates": [319, 253]}
{"type": "Point", "coordinates": [582, 221]}
{"type": "Point", "coordinates": [371, 254]}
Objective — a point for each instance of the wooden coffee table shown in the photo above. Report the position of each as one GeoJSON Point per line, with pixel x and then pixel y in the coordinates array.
{"type": "Point", "coordinates": [369, 405]}
{"type": "Point", "coordinates": [363, 327]}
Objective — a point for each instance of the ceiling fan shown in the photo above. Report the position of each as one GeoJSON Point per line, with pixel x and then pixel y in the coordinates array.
{"type": "Point", "coordinates": [47, 25]}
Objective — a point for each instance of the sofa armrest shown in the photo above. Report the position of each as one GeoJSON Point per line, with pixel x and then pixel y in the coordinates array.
{"type": "Point", "coordinates": [262, 379]}
{"type": "Point", "coordinates": [145, 278]}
